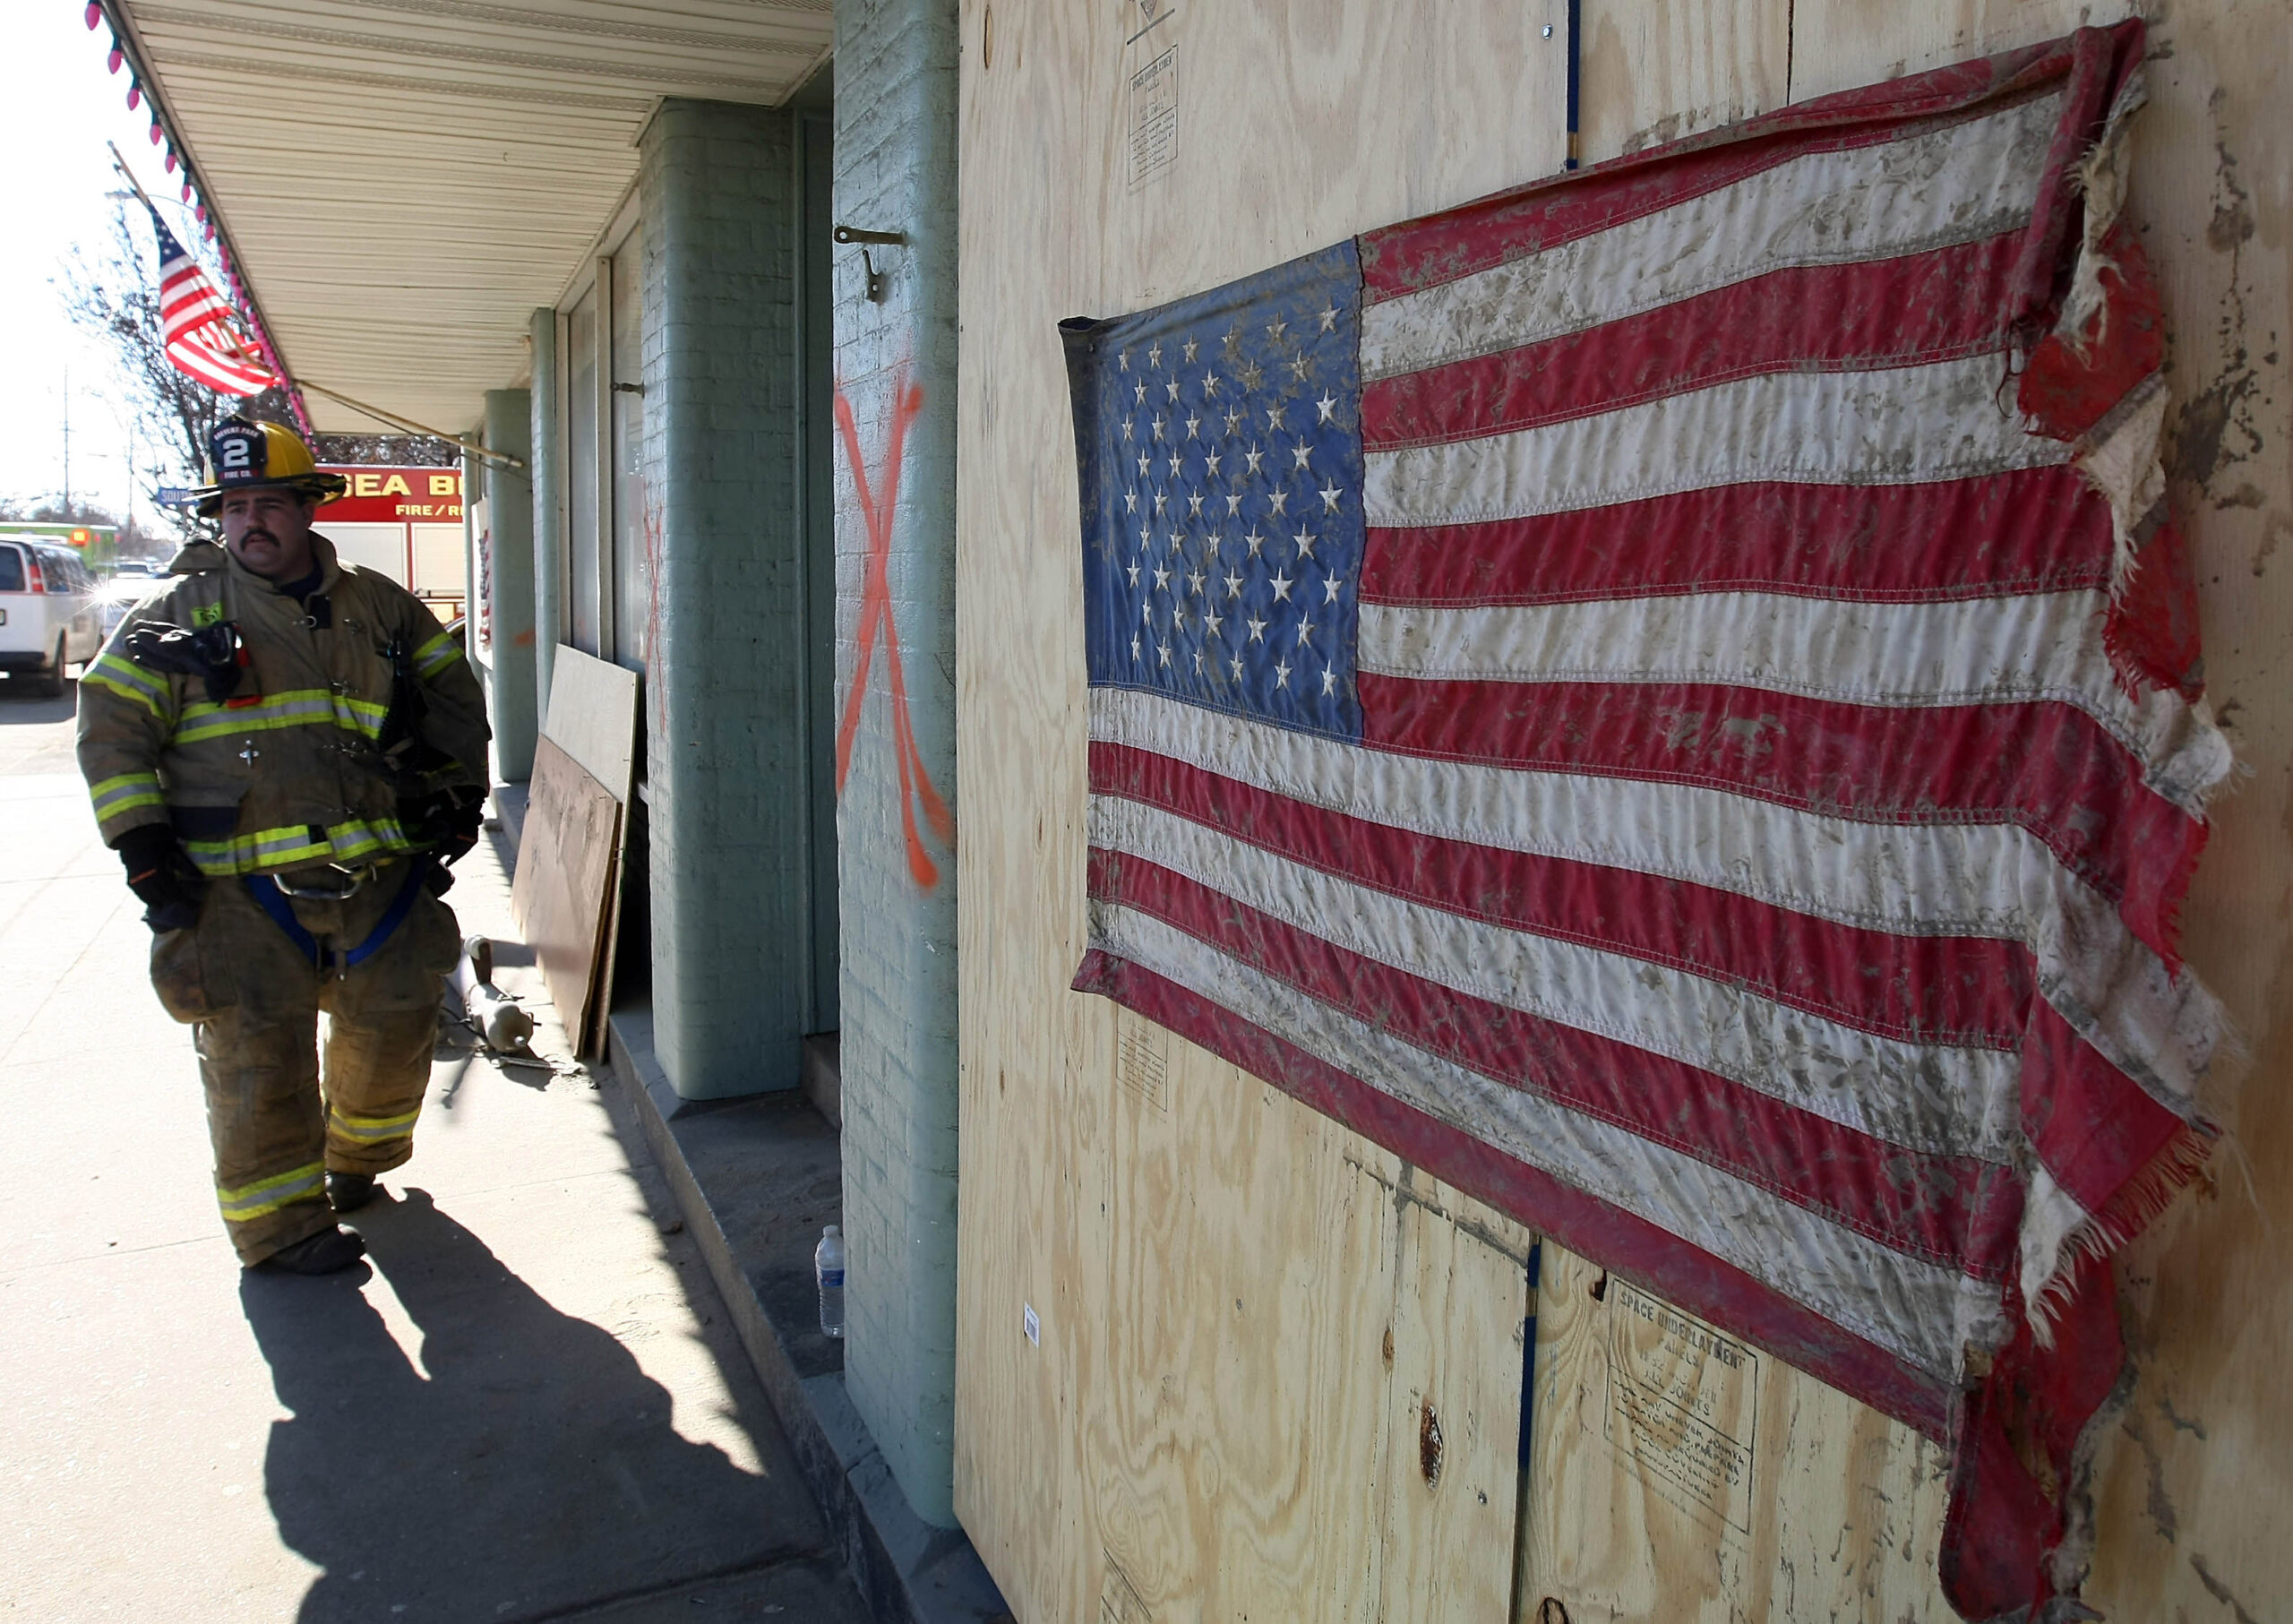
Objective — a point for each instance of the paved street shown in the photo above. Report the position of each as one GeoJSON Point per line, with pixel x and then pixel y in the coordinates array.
{"type": "Point", "coordinates": [528, 1405]}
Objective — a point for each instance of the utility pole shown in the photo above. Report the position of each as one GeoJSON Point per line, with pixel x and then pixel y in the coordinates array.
{"type": "Point", "coordinates": [67, 445]}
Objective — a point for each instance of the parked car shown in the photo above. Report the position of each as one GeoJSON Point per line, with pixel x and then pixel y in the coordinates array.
{"type": "Point", "coordinates": [121, 592]}
{"type": "Point", "coordinates": [48, 613]}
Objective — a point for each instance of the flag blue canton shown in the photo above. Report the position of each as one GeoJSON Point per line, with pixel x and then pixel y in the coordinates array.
{"type": "Point", "coordinates": [169, 249]}
{"type": "Point", "coordinates": [1221, 465]}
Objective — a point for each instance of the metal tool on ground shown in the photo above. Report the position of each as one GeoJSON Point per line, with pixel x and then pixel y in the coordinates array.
{"type": "Point", "coordinates": [493, 1014]}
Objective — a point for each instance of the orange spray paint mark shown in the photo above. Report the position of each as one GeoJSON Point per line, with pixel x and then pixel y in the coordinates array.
{"type": "Point", "coordinates": [656, 556]}
{"type": "Point", "coordinates": [876, 615]}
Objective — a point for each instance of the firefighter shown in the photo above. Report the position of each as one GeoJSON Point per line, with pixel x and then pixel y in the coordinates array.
{"type": "Point", "coordinates": [286, 751]}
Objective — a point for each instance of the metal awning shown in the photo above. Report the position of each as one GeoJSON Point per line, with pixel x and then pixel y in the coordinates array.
{"type": "Point", "coordinates": [401, 182]}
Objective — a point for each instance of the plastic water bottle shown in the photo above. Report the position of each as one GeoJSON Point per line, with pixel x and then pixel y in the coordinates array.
{"type": "Point", "coordinates": [828, 1271]}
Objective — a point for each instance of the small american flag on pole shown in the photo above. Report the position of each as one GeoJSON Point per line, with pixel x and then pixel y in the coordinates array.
{"type": "Point", "coordinates": [1670, 698]}
{"type": "Point", "coordinates": [202, 338]}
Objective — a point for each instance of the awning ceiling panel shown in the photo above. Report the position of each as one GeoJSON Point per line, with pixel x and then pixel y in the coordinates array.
{"type": "Point", "coordinates": [405, 180]}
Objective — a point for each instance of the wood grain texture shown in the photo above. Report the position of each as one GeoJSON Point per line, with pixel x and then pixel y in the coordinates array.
{"type": "Point", "coordinates": [1453, 1421]}
{"type": "Point", "coordinates": [1166, 1452]}
{"type": "Point", "coordinates": [1678, 1476]}
{"type": "Point", "coordinates": [566, 861]}
{"type": "Point", "coordinates": [593, 717]}
{"type": "Point", "coordinates": [1655, 72]}
{"type": "Point", "coordinates": [593, 720]}
{"type": "Point", "coordinates": [1164, 1455]}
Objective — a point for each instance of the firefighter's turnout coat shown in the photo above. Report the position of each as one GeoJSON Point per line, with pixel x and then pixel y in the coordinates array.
{"type": "Point", "coordinates": [287, 770]}
{"type": "Point", "coordinates": [284, 777]}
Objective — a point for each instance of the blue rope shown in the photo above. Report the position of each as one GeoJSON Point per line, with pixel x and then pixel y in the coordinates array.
{"type": "Point", "coordinates": [273, 901]}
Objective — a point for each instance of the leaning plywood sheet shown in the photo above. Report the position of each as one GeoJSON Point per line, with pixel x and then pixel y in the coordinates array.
{"type": "Point", "coordinates": [565, 869]}
{"type": "Point", "coordinates": [593, 717]}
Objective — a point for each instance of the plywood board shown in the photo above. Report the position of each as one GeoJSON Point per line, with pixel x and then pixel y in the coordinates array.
{"type": "Point", "coordinates": [566, 858]}
{"type": "Point", "coordinates": [1652, 72]}
{"type": "Point", "coordinates": [1242, 1322]}
{"type": "Point", "coordinates": [1112, 1472]}
{"type": "Point", "coordinates": [1679, 1474]}
{"type": "Point", "coordinates": [1453, 1419]}
{"type": "Point", "coordinates": [593, 717]}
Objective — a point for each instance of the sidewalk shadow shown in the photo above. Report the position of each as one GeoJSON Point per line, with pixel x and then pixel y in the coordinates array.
{"type": "Point", "coordinates": [527, 1466]}
{"type": "Point", "coordinates": [20, 707]}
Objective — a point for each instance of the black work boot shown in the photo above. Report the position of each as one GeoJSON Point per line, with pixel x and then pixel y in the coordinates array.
{"type": "Point", "coordinates": [324, 1253]}
{"type": "Point", "coordinates": [349, 1191]}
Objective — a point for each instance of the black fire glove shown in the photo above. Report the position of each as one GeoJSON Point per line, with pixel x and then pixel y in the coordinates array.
{"type": "Point", "coordinates": [162, 878]}
{"type": "Point", "coordinates": [447, 821]}
{"type": "Point", "coordinates": [215, 654]}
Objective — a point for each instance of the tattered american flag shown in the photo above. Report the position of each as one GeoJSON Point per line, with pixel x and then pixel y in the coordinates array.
{"type": "Point", "coordinates": [202, 337]}
{"type": "Point", "coordinates": [1669, 699]}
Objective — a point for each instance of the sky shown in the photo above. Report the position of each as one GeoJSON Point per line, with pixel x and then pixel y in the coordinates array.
{"type": "Point", "coordinates": [56, 181]}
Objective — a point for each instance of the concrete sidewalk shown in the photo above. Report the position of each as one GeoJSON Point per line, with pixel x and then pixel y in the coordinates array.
{"type": "Point", "coordinates": [530, 1406]}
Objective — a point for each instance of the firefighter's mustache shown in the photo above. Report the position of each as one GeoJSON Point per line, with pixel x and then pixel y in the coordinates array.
{"type": "Point", "coordinates": [259, 533]}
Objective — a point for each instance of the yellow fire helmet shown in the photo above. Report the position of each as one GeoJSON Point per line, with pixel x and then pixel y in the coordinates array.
{"type": "Point", "coordinates": [244, 454]}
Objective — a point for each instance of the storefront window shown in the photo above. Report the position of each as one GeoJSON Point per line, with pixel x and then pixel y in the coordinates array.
{"type": "Point", "coordinates": [581, 472]}
{"type": "Point", "coordinates": [631, 560]}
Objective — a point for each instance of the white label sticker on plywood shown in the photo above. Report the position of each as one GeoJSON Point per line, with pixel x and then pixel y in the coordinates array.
{"type": "Point", "coordinates": [1683, 1406]}
{"type": "Point", "coordinates": [1029, 1323]}
{"type": "Point", "coordinates": [1154, 117]}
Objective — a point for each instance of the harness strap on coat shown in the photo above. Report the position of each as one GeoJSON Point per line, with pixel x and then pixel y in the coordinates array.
{"type": "Point", "coordinates": [273, 901]}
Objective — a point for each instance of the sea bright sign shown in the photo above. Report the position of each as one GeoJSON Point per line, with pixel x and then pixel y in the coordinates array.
{"type": "Point", "coordinates": [396, 496]}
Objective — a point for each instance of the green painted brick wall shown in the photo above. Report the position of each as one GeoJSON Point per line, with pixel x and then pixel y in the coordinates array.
{"type": "Point", "coordinates": [896, 64]}
{"type": "Point", "coordinates": [725, 732]}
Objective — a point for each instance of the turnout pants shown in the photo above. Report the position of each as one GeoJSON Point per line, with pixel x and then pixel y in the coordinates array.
{"type": "Point", "coordinates": [254, 997]}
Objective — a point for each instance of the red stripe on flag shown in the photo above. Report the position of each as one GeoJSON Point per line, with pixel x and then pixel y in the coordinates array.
{"type": "Point", "coordinates": [2036, 531]}
{"type": "Point", "coordinates": [1438, 248]}
{"type": "Point", "coordinates": [1667, 1265]}
{"type": "Point", "coordinates": [226, 374]}
{"type": "Point", "coordinates": [1965, 991]}
{"type": "Point", "coordinates": [1918, 308]}
{"type": "Point", "coordinates": [2045, 767]}
{"type": "Point", "coordinates": [1953, 1210]}
{"type": "Point", "coordinates": [2117, 1152]}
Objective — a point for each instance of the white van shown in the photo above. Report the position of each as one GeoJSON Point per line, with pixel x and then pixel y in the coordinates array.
{"type": "Point", "coordinates": [48, 613]}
